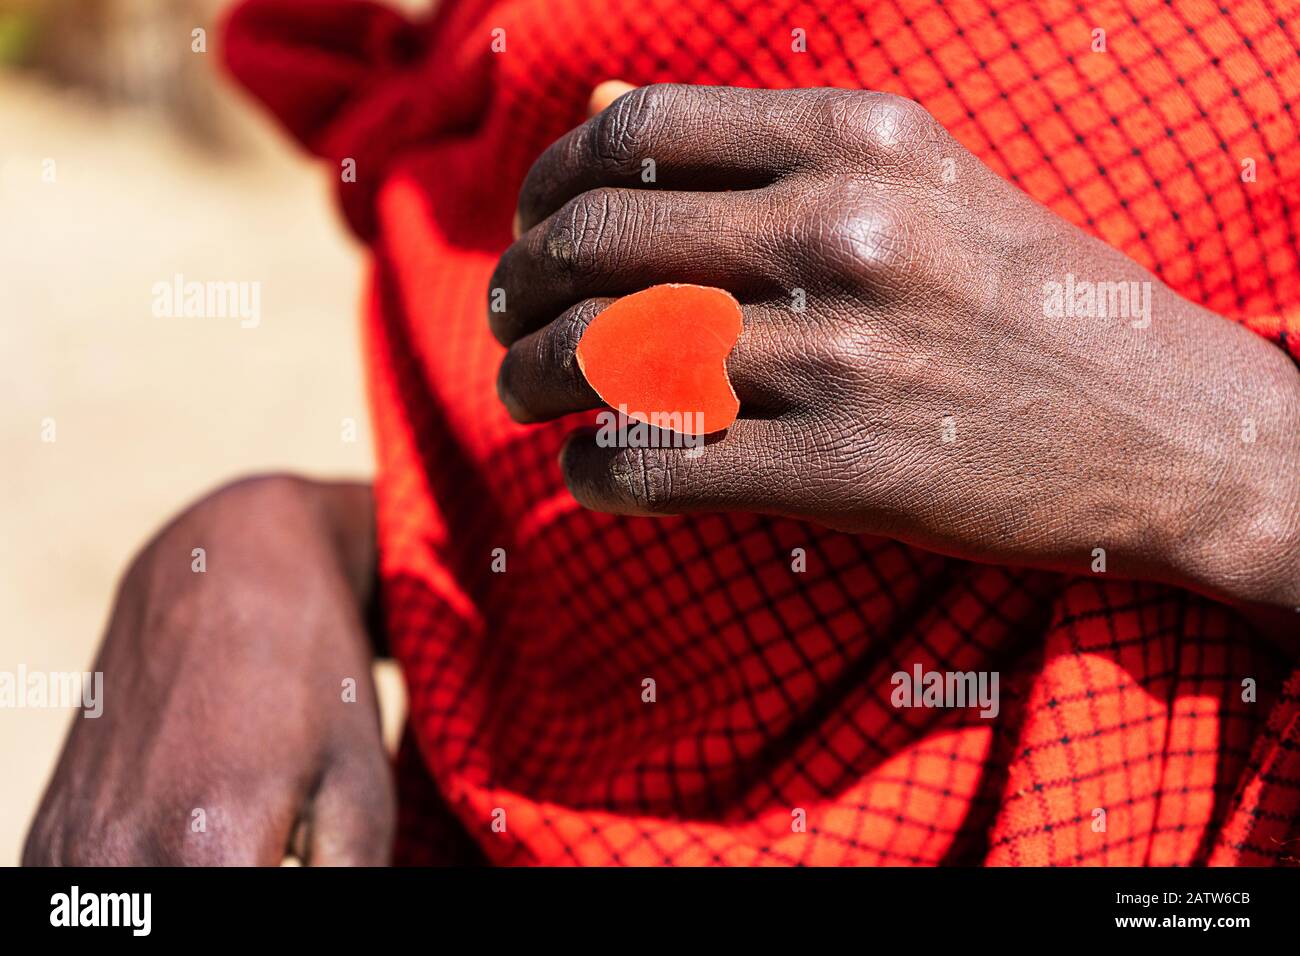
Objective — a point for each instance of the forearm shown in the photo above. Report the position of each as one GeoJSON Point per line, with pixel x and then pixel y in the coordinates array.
{"type": "Point", "coordinates": [1235, 529]}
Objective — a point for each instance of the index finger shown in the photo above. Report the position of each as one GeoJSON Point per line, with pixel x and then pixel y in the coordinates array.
{"type": "Point", "coordinates": [670, 136]}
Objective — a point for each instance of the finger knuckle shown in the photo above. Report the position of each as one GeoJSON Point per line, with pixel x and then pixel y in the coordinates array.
{"type": "Point", "coordinates": [558, 350]}
{"type": "Point", "coordinates": [887, 126]}
{"type": "Point", "coordinates": [573, 242]}
{"type": "Point", "coordinates": [621, 134]}
{"type": "Point", "coordinates": [875, 243]}
{"type": "Point", "coordinates": [894, 123]}
{"type": "Point", "coordinates": [645, 478]}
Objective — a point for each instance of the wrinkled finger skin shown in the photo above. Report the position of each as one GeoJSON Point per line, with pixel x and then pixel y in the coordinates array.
{"type": "Point", "coordinates": [225, 738]}
{"type": "Point", "coordinates": [901, 372]}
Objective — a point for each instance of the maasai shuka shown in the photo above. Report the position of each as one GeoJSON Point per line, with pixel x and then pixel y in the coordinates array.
{"type": "Point", "coordinates": [773, 687]}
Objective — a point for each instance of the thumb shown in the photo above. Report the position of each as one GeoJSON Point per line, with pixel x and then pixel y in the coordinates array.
{"type": "Point", "coordinates": [606, 93]}
{"type": "Point", "coordinates": [352, 817]}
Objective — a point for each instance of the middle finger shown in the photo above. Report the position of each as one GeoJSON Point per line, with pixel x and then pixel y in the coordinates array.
{"type": "Point", "coordinates": [610, 242]}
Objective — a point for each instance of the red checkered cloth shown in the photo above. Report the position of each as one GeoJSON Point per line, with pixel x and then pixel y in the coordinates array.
{"type": "Point", "coordinates": [529, 741]}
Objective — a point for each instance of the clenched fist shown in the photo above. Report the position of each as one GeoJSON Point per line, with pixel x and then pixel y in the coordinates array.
{"type": "Point", "coordinates": [928, 353]}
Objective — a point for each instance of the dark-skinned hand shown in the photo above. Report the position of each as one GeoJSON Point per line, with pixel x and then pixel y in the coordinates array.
{"type": "Point", "coordinates": [898, 372]}
{"type": "Point", "coordinates": [223, 693]}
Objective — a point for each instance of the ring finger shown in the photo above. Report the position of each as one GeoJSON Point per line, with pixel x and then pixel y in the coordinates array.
{"type": "Point", "coordinates": [540, 379]}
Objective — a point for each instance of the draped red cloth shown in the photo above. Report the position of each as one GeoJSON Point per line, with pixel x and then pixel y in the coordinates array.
{"type": "Point", "coordinates": [772, 738]}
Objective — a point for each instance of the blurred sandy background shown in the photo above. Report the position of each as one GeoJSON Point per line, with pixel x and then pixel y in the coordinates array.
{"type": "Point", "coordinates": [161, 167]}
